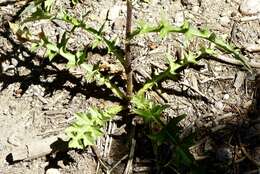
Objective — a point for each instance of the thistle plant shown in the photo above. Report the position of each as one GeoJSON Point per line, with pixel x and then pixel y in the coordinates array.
{"type": "Point", "coordinates": [89, 125]}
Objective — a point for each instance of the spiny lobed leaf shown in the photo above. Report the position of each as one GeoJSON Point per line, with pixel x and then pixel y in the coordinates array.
{"type": "Point", "coordinates": [164, 28]}
{"type": "Point", "coordinates": [151, 111]}
{"type": "Point", "coordinates": [172, 70]}
{"type": "Point", "coordinates": [92, 74]}
{"type": "Point", "coordinates": [52, 49]}
{"type": "Point", "coordinates": [99, 38]}
{"type": "Point", "coordinates": [147, 109]}
{"type": "Point", "coordinates": [88, 126]}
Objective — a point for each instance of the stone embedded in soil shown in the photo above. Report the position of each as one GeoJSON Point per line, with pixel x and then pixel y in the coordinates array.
{"type": "Point", "coordinates": [14, 62]}
{"type": "Point", "coordinates": [179, 18]}
{"type": "Point", "coordinates": [240, 78]}
{"type": "Point", "coordinates": [195, 9]}
{"type": "Point", "coordinates": [250, 7]}
{"type": "Point", "coordinates": [226, 97]}
{"type": "Point", "coordinates": [219, 105]}
{"type": "Point", "coordinates": [14, 140]}
{"type": "Point", "coordinates": [52, 171]}
{"type": "Point", "coordinates": [224, 21]}
{"type": "Point", "coordinates": [114, 12]}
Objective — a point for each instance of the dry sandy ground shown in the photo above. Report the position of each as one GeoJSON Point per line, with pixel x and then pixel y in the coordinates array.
{"type": "Point", "coordinates": [39, 101]}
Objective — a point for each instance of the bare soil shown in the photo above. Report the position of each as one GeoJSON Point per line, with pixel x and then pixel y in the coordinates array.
{"type": "Point", "coordinates": [38, 99]}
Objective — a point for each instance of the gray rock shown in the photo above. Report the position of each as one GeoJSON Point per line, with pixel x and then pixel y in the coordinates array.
{"type": "Point", "coordinates": [250, 7]}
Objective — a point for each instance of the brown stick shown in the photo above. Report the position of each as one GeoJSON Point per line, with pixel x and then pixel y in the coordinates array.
{"type": "Point", "coordinates": [129, 75]}
{"type": "Point", "coordinates": [128, 60]}
{"type": "Point", "coordinates": [233, 61]}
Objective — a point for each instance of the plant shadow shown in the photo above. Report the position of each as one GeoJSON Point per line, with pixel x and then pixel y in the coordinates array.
{"type": "Point", "coordinates": [40, 69]}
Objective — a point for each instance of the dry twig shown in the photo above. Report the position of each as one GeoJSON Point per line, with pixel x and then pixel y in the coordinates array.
{"type": "Point", "coordinates": [226, 59]}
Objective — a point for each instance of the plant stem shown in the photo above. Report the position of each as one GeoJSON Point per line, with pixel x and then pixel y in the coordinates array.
{"type": "Point", "coordinates": [128, 60]}
{"type": "Point", "coordinates": [129, 76]}
{"type": "Point", "coordinates": [149, 84]}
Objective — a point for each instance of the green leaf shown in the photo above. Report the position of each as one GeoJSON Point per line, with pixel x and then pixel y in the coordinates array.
{"type": "Point", "coordinates": [50, 54]}
{"type": "Point", "coordinates": [173, 65]}
{"type": "Point", "coordinates": [92, 74]}
{"type": "Point", "coordinates": [96, 43]}
{"type": "Point", "coordinates": [63, 15]}
{"type": "Point", "coordinates": [88, 126]}
{"type": "Point", "coordinates": [34, 47]}
{"type": "Point", "coordinates": [20, 31]}
{"type": "Point", "coordinates": [158, 138]}
{"type": "Point", "coordinates": [52, 47]}
{"type": "Point", "coordinates": [64, 40]}
{"type": "Point", "coordinates": [143, 28]}
{"type": "Point", "coordinates": [183, 157]}
{"type": "Point", "coordinates": [165, 29]}
{"type": "Point", "coordinates": [171, 128]}
{"type": "Point", "coordinates": [74, 2]}
{"type": "Point", "coordinates": [173, 123]}
{"type": "Point", "coordinates": [81, 56]}
{"type": "Point", "coordinates": [190, 58]}
{"type": "Point", "coordinates": [48, 4]}
{"type": "Point", "coordinates": [146, 108]}
{"type": "Point", "coordinates": [69, 56]}
{"type": "Point", "coordinates": [39, 14]}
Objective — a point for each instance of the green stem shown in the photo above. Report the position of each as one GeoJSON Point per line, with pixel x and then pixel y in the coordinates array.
{"type": "Point", "coordinates": [115, 89]}
{"type": "Point", "coordinates": [152, 82]}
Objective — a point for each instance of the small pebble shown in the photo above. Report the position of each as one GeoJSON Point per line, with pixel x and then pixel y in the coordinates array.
{"type": "Point", "coordinates": [14, 140]}
{"type": "Point", "coordinates": [249, 7]}
{"type": "Point", "coordinates": [14, 61]}
{"type": "Point", "coordinates": [195, 9]}
{"type": "Point", "coordinates": [52, 171]}
{"type": "Point", "coordinates": [1, 148]}
{"type": "Point", "coordinates": [219, 105]}
{"type": "Point", "coordinates": [218, 68]}
{"type": "Point", "coordinates": [224, 21]}
{"type": "Point", "coordinates": [179, 18]}
{"type": "Point", "coordinates": [226, 97]}
{"type": "Point", "coordinates": [240, 79]}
